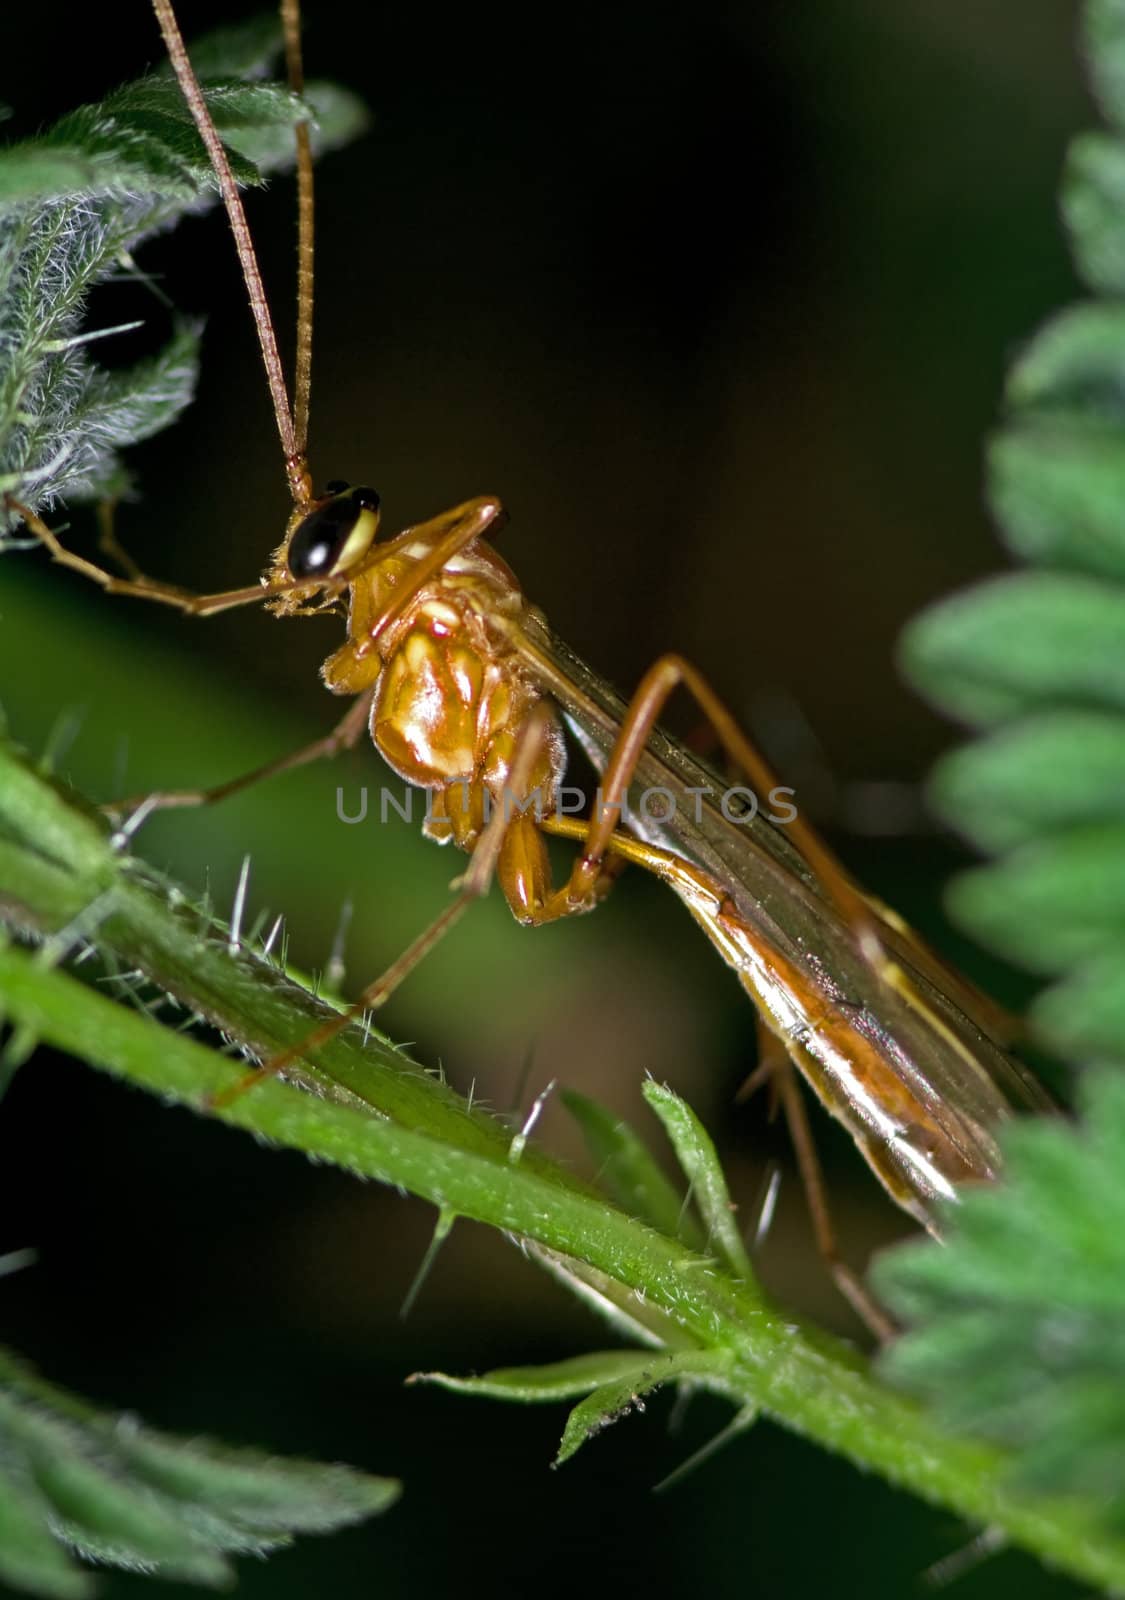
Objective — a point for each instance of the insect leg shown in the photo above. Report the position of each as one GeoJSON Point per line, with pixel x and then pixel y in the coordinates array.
{"type": "Point", "coordinates": [869, 920]}
{"type": "Point", "coordinates": [656, 687]}
{"type": "Point", "coordinates": [344, 736]}
{"type": "Point", "coordinates": [512, 846]}
{"type": "Point", "coordinates": [145, 588]}
{"type": "Point", "coordinates": [372, 997]}
{"type": "Point", "coordinates": [871, 923]}
{"type": "Point", "coordinates": [446, 535]}
{"type": "Point", "coordinates": [108, 542]}
{"type": "Point", "coordinates": [775, 1069]}
{"type": "Point", "coordinates": [866, 1307]}
{"type": "Point", "coordinates": [474, 882]}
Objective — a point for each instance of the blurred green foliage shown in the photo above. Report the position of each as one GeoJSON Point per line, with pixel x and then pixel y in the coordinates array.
{"type": "Point", "coordinates": [1018, 1322]}
{"type": "Point", "coordinates": [122, 1495]}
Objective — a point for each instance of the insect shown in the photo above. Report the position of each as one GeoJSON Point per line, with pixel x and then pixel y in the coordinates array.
{"type": "Point", "coordinates": [465, 691]}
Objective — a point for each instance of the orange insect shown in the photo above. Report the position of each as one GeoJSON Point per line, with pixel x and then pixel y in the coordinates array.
{"type": "Point", "coordinates": [464, 690]}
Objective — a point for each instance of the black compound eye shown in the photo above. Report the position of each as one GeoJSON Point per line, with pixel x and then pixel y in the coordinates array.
{"type": "Point", "coordinates": [337, 486]}
{"type": "Point", "coordinates": [335, 535]}
{"type": "Point", "coordinates": [318, 542]}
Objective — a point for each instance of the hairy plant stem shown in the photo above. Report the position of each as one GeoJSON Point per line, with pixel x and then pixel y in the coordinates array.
{"type": "Point", "coordinates": [379, 1115]}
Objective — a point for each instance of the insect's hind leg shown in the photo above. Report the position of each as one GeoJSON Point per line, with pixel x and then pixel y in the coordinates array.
{"type": "Point", "coordinates": [870, 923]}
{"type": "Point", "coordinates": [777, 1068]}
{"type": "Point", "coordinates": [344, 736]}
{"type": "Point", "coordinates": [667, 674]}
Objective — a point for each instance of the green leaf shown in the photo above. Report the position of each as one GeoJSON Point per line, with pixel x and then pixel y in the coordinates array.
{"type": "Point", "coordinates": [1051, 903]}
{"type": "Point", "coordinates": [1033, 777]}
{"type": "Point", "coordinates": [696, 1154]}
{"type": "Point", "coordinates": [1082, 1017]}
{"type": "Point", "coordinates": [1056, 485]}
{"type": "Point", "coordinates": [124, 1495]}
{"type": "Point", "coordinates": [75, 202]}
{"type": "Point", "coordinates": [1020, 1319]}
{"type": "Point", "coordinates": [240, 50]}
{"type": "Point", "coordinates": [243, 1497]}
{"type": "Point", "coordinates": [613, 1381]}
{"type": "Point", "coordinates": [1018, 643]}
{"type": "Point", "coordinates": [557, 1380]}
{"type": "Point", "coordinates": [1103, 38]}
{"type": "Point", "coordinates": [1019, 1325]}
{"type": "Point", "coordinates": [1074, 365]}
{"type": "Point", "coordinates": [32, 1558]}
{"type": "Point", "coordinates": [629, 1171]}
{"type": "Point", "coordinates": [1037, 658]}
{"type": "Point", "coordinates": [612, 1400]}
{"type": "Point", "coordinates": [1093, 205]}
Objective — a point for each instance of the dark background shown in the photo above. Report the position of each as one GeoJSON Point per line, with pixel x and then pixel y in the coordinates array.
{"type": "Point", "coordinates": [719, 301]}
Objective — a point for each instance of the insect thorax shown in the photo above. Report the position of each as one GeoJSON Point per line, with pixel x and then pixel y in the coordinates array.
{"type": "Point", "coordinates": [451, 698]}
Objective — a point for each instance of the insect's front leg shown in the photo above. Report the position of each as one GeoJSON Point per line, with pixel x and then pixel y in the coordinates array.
{"type": "Point", "coordinates": [444, 537]}
{"type": "Point", "coordinates": [109, 544]}
{"type": "Point", "coordinates": [140, 586]}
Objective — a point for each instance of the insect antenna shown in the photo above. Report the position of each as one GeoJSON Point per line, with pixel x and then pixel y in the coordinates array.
{"type": "Point", "coordinates": [292, 432]}
{"type": "Point", "coordinates": [302, 379]}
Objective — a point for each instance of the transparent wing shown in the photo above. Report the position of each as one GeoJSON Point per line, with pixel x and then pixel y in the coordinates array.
{"type": "Point", "coordinates": [930, 1042]}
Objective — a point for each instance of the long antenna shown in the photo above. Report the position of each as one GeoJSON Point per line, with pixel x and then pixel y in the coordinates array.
{"type": "Point", "coordinates": [302, 383]}
{"type": "Point", "coordinates": [292, 443]}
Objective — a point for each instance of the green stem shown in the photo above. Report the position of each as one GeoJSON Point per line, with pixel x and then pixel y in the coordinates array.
{"type": "Point", "coordinates": [427, 1141]}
